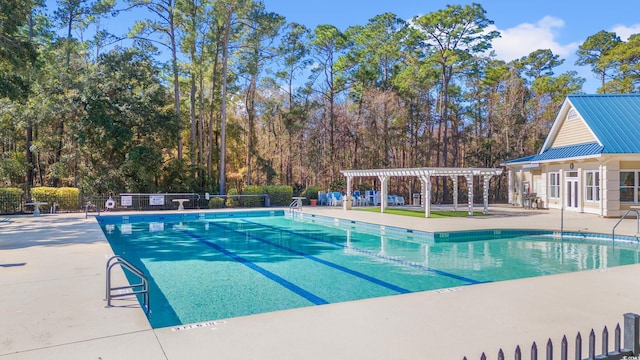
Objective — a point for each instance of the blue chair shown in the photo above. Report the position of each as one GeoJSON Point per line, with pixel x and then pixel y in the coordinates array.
{"type": "Point", "coordinates": [337, 199]}
{"type": "Point", "coordinates": [322, 198]}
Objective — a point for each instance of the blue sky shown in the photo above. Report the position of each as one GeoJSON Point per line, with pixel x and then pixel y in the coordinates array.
{"type": "Point", "coordinates": [525, 26]}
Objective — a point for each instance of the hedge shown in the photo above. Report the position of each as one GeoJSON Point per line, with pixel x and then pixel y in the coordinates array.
{"type": "Point", "coordinates": [252, 201]}
{"type": "Point", "coordinates": [66, 197]}
{"type": "Point", "coordinates": [232, 201]}
{"type": "Point", "coordinates": [216, 203]}
{"type": "Point", "coordinates": [280, 195]}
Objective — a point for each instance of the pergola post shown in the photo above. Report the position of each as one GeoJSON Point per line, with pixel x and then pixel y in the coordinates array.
{"type": "Point", "coordinates": [511, 187]}
{"type": "Point", "coordinates": [384, 183]}
{"type": "Point", "coordinates": [425, 181]}
{"type": "Point", "coordinates": [346, 203]}
{"type": "Point", "coordinates": [470, 193]}
{"type": "Point", "coordinates": [485, 195]}
{"type": "Point", "coordinates": [454, 178]}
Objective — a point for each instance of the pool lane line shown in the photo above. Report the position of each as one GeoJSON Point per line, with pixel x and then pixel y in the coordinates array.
{"type": "Point", "coordinates": [374, 254]}
{"type": "Point", "coordinates": [266, 273]}
{"type": "Point", "coordinates": [352, 272]}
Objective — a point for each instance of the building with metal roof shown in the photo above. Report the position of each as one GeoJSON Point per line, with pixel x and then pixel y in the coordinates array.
{"type": "Point", "coordinates": [590, 160]}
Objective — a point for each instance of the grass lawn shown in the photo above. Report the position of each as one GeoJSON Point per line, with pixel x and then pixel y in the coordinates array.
{"type": "Point", "coordinates": [420, 213]}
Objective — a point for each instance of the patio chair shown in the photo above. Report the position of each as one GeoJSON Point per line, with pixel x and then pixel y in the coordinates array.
{"type": "Point", "coordinates": [376, 198]}
{"type": "Point", "coordinates": [337, 198]}
{"type": "Point", "coordinates": [358, 198]}
{"type": "Point", "coordinates": [368, 195]}
{"type": "Point", "coordinates": [322, 198]}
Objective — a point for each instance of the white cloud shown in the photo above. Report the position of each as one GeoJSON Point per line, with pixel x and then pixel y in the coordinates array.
{"type": "Point", "coordinates": [526, 38]}
{"type": "Point", "coordinates": [625, 31]}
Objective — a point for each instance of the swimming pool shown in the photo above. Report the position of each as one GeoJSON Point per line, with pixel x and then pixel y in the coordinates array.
{"type": "Point", "coordinates": [207, 266]}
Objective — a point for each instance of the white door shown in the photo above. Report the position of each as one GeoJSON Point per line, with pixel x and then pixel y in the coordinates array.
{"type": "Point", "coordinates": [571, 200]}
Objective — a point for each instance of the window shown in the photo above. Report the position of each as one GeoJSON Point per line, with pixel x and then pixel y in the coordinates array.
{"type": "Point", "coordinates": [628, 186]}
{"type": "Point", "coordinates": [593, 186]}
{"type": "Point", "coordinates": [554, 185]}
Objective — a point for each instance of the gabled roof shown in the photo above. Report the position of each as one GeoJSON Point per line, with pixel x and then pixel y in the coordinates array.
{"type": "Point", "coordinates": [614, 120]}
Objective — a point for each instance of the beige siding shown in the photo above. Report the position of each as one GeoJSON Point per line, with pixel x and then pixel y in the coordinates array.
{"type": "Point", "coordinates": [573, 132]}
{"type": "Point", "coordinates": [629, 165]}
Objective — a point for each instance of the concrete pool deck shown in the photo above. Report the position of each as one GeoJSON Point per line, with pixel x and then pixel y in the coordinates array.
{"type": "Point", "coordinates": [52, 284]}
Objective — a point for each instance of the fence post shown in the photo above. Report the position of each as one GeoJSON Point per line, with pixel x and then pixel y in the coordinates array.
{"type": "Point", "coordinates": [605, 341]}
{"type": "Point", "coordinates": [579, 346]}
{"type": "Point", "coordinates": [592, 345]}
{"type": "Point", "coordinates": [632, 333]}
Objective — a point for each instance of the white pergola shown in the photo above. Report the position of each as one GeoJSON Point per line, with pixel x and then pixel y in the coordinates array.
{"type": "Point", "coordinates": [425, 174]}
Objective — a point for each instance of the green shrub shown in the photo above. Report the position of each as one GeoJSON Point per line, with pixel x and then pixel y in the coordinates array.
{"type": "Point", "coordinates": [10, 200]}
{"type": "Point", "coordinates": [232, 201]}
{"type": "Point", "coordinates": [216, 203]}
{"type": "Point", "coordinates": [44, 194]}
{"type": "Point", "coordinates": [279, 195]}
{"type": "Point", "coordinates": [68, 198]}
{"type": "Point", "coordinates": [312, 192]}
{"type": "Point", "coordinates": [252, 201]}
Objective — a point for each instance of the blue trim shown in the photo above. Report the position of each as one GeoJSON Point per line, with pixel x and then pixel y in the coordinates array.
{"type": "Point", "coordinates": [266, 273]}
{"type": "Point", "coordinates": [316, 259]}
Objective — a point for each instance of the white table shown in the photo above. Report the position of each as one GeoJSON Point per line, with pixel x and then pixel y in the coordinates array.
{"type": "Point", "coordinates": [181, 201]}
{"type": "Point", "coordinates": [36, 206]}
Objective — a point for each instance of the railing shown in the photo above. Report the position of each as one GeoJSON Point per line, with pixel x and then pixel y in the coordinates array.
{"type": "Point", "coordinates": [296, 204]}
{"type": "Point", "coordinates": [636, 210]}
{"type": "Point", "coordinates": [132, 202]}
{"type": "Point", "coordinates": [90, 206]}
{"type": "Point", "coordinates": [631, 344]}
{"type": "Point", "coordinates": [143, 286]}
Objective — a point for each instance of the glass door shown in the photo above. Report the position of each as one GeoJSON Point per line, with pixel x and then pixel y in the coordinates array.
{"type": "Point", "coordinates": [571, 200]}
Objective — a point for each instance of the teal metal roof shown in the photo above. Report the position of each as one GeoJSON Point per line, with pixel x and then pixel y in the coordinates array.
{"type": "Point", "coordinates": [570, 151]}
{"type": "Point", "coordinates": [563, 152]}
{"type": "Point", "coordinates": [614, 120]}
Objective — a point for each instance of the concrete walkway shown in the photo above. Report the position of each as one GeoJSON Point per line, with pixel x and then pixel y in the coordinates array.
{"type": "Point", "coordinates": [52, 288]}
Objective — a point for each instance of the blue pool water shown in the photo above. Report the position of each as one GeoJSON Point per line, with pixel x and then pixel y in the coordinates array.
{"type": "Point", "coordinates": [220, 265]}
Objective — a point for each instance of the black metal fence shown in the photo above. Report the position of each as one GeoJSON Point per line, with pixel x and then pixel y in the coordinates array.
{"type": "Point", "coordinates": [131, 201]}
{"type": "Point", "coordinates": [627, 350]}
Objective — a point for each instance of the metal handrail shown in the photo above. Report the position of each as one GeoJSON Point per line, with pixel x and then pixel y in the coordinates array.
{"type": "Point", "coordinates": [143, 285]}
{"type": "Point", "coordinates": [613, 231]}
{"type": "Point", "coordinates": [295, 204]}
{"type": "Point", "coordinates": [87, 207]}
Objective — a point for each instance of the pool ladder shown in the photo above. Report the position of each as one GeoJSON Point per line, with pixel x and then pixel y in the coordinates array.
{"type": "Point", "coordinates": [613, 231]}
{"type": "Point", "coordinates": [296, 204]}
{"type": "Point", "coordinates": [136, 289]}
